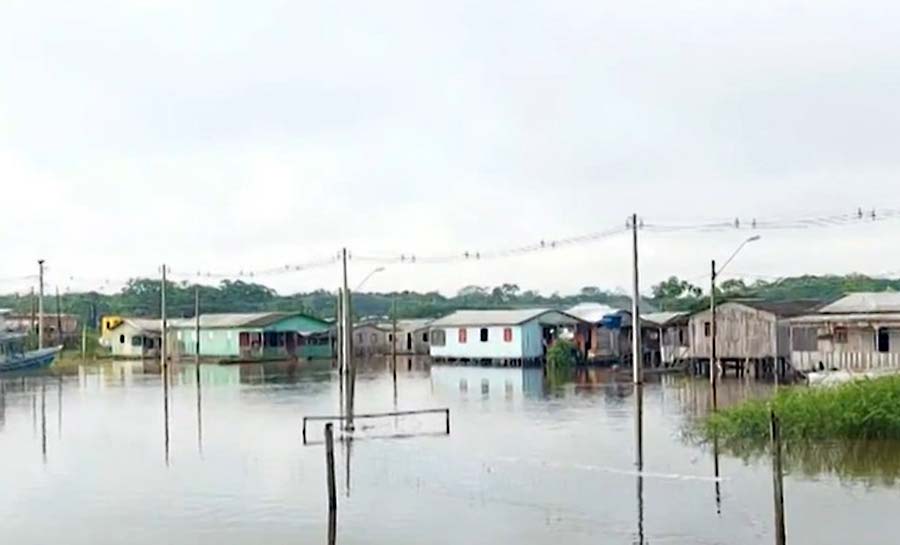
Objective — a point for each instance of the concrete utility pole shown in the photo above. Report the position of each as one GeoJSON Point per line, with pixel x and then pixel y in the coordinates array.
{"type": "Point", "coordinates": [197, 327]}
{"type": "Point", "coordinates": [40, 304]}
{"type": "Point", "coordinates": [339, 331]}
{"type": "Point", "coordinates": [713, 356]}
{"type": "Point", "coordinates": [637, 353]}
{"type": "Point", "coordinates": [347, 315]}
{"type": "Point", "coordinates": [59, 331]}
{"type": "Point", "coordinates": [394, 337]}
{"type": "Point", "coordinates": [163, 325]}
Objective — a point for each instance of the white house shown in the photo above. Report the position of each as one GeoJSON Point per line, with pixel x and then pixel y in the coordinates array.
{"type": "Point", "coordinates": [510, 337]}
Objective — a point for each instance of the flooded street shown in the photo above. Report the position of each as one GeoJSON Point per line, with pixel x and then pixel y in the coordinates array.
{"type": "Point", "coordinates": [88, 457]}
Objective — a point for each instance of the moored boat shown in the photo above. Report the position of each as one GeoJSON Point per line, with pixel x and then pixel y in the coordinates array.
{"type": "Point", "coordinates": [14, 357]}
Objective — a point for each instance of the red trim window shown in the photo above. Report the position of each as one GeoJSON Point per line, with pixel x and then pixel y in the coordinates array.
{"type": "Point", "coordinates": [463, 335]}
{"type": "Point", "coordinates": [507, 334]}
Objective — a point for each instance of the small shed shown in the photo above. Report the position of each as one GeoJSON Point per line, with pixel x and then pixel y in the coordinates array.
{"type": "Point", "coordinates": [131, 337]}
{"type": "Point", "coordinates": [252, 336]}
{"type": "Point", "coordinates": [509, 337]}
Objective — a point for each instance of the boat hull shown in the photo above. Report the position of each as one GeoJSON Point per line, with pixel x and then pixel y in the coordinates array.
{"type": "Point", "coordinates": [36, 359]}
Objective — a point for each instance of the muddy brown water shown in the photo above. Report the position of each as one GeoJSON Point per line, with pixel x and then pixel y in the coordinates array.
{"type": "Point", "coordinates": [86, 457]}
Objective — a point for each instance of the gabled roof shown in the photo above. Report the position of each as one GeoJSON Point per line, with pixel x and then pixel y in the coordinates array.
{"type": "Point", "coordinates": [781, 309]}
{"type": "Point", "coordinates": [149, 325]}
{"type": "Point", "coordinates": [592, 312]}
{"type": "Point", "coordinates": [663, 318]}
{"type": "Point", "coordinates": [866, 302]}
{"type": "Point", "coordinates": [498, 317]}
{"type": "Point", "coordinates": [231, 320]}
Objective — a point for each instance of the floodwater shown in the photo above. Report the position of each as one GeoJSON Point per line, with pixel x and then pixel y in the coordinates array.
{"type": "Point", "coordinates": [88, 458]}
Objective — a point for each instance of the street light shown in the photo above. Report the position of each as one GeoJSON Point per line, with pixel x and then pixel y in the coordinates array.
{"type": "Point", "coordinates": [713, 359]}
{"type": "Point", "coordinates": [368, 276]}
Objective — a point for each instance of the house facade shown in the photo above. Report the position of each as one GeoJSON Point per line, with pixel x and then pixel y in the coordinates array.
{"type": "Point", "coordinates": [251, 336]}
{"type": "Point", "coordinates": [507, 337]}
{"type": "Point", "coordinates": [673, 336]}
{"type": "Point", "coordinates": [747, 332]}
{"type": "Point", "coordinates": [131, 338]}
{"type": "Point", "coordinates": [857, 332]}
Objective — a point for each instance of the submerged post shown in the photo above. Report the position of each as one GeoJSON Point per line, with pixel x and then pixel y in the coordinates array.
{"type": "Point", "coordinates": [637, 353]}
{"type": "Point", "coordinates": [163, 325]}
{"type": "Point", "coordinates": [329, 467]}
{"type": "Point", "coordinates": [84, 342]}
{"type": "Point", "coordinates": [394, 338]}
{"type": "Point", "coordinates": [448, 421]}
{"type": "Point", "coordinates": [713, 356]}
{"type": "Point", "coordinates": [197, 328]}
{"type": "Point", "coordinates": [777, 479]}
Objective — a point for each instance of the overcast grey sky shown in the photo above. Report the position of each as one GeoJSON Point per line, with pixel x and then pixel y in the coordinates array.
{"type": "Point", "coordinates": [221, 135]}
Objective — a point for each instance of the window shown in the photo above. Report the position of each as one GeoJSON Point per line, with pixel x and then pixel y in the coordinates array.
{"type": "Point", "coordinates": [210, 335]}
{"type": "Point", "coordinates": [883, 338]}
{"type": "Point", "coordinates": [178, 334]}
{"type": "Point", "coordinates": [840, 335]}
{"type": "Point", "coordinates": [374, 338]}
{"type": "Point", "coordinates": [463, 335]}
{"type": "Point", "coordinates": [484, 334]}
{"type": "Point", "coordinates": [390, 337]}
{"type": "Point", "coordinates": [507, 334]}
{"type": "Point", "coordinates": [137, 340]}
{"type": "Point", "coordinates": [707, 328]}
{"type": "Point", "coordinates": [121, 339]}
{"type": "Point", "coordinates": [438, 337]}
{"type": "Point", "coordinates": [359, 337]}
{"type": "Point", "coordinates": [425, 337]}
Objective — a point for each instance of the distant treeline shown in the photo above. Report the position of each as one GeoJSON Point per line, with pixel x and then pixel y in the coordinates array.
{"type": "Point", "coordinates": [140, 297]}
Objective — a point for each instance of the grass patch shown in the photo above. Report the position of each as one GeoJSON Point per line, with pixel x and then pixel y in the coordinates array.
{"type": "Point", "coordinates": [866, 409]}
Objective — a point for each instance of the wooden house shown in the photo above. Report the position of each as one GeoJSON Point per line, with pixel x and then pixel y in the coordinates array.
{"type": "Point", "coordinates": [252, 336]}
{"type": "Point", "coordinates": [673, 335]}
{"type": "Point", "coordinates": [507, 337]}
{"type": "Point", "coordinates": [747, 331]}
{"type": "Point", "coordinates": [860, 331]}
{"type": "Point", "coordinates": [371, 339]}
{"type": "Point", "coordinates": [126, 337]}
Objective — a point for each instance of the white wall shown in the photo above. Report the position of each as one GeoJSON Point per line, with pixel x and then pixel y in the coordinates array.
{"type": "Point", "coordinates": [494, 348]}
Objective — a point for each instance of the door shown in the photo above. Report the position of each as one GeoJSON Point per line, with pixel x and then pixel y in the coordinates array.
{"type": "Point", "coordinates": [409, 342]}
{"type": "Point", "coordinates": [290, 343]}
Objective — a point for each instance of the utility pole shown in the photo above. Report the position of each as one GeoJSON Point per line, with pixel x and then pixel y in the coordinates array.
{"type": "Point", "coordinates": [394, 337]}
{"type": "Point", "coordinates": [40, 304]}
{"type": "Point", "coordinates": [637, 353]}
{"type": "Point", "coordinates": [713, 356]}
{"type": "Point", "coordinates": [59, 331]}
{"type": "Point", "coordinates": [164, 362]}
{"type": "Point", "coordinates": [347, 344]}
{"type": "Point", "coordinates": [339, 330]}
{"type": "Point", "coordinates": [33, 313]}
{"type": "Point", "coordinates": [197, 328]}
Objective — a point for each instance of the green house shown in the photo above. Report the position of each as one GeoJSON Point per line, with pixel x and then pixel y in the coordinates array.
{"type": "Point", "coordinates": [253, 336]}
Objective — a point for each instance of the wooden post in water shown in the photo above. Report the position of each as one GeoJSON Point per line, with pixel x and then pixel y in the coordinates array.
{"type": "Point", "coordinates": [339, 330]}
{"type": "Point", "coordinates": [84, 342]}
{"type": "Point", "coordinates": [329, 468]}
{"type": "Point", "coordinates": [777, 479]}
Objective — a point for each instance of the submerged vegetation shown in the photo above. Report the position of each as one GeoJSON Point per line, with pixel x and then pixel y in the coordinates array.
{"type": "Point", "coordinates": [867, 409]}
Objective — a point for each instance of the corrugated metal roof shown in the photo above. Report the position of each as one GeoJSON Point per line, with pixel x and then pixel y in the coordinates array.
{"type": "Point", "coordinates": [865, 302]}
{"type": "Point", "coordinates": [230, 320]}
{"type": "Point", "coordinates": [592, 312]}
{"type": "Point", "coordinates": [145, 324]}
{"type": "Point", "coordinates": [849, 317]}
{"type": "Point", "coordinates": [495, 317]}
{"type": "Point", "coordinates": [663, 318]}
{"type": "Point", "coordinates": [782, 309]}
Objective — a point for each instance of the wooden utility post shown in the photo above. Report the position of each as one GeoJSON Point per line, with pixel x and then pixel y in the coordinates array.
{"type": "Point", "coordinates": [33, 313]}
{"type": "Point", "coordinates": [339, 330]}
{"type": "Point", "coordinates": [347, 315]}
{"type": "Point", "coordinates": [40, 304]}
{"type": "Point", "coordinates": [329, 467]}
{"type": "Point", "coordinates": [637, 352]}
